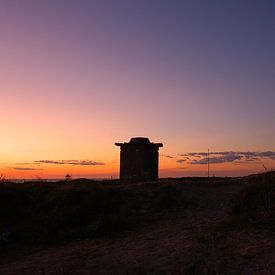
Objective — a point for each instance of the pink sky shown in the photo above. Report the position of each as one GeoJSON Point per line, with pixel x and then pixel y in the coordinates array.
{"type": "Point", "coordinates": [77, 77]}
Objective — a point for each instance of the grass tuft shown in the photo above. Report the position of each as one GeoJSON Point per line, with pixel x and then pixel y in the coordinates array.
{"type": "Point", "coordinates": [254, 206]}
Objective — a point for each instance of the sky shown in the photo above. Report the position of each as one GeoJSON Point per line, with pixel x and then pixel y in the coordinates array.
{"type": "Point", "coordinates": [78, 76]}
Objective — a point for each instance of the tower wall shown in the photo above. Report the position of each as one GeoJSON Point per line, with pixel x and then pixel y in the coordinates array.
{"type": "Point", "coordinates": [139, 160]}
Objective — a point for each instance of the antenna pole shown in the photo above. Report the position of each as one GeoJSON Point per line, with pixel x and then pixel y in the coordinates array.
{"type": "Point", "coordinates": [208, 171]}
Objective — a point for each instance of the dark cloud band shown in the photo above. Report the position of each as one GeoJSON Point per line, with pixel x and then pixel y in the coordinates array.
{"type": "Point", "coordinates": [69, 162]}
{"type": "Point", "coordinates": [167, 156]}
{"type": "Point", "coordinates": [226, 156]}
{"type": "Point", "coordinates": [25, 168]}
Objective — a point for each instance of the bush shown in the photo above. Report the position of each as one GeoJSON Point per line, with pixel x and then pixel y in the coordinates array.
{"type": "Point", "coordinates": [254, 206]}
{"type": "Point", "coordinates": [55, 213]}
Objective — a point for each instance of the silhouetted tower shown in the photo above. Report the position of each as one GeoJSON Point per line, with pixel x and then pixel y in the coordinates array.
{"type": "Point", "coordinates": [139, 160]}
{"type": "Point", "coordinates": [68, 177]}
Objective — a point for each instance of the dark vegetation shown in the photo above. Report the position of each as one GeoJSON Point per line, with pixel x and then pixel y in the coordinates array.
{"type": "Point", "coordinates": [52, 214]}
{"type": "Point", "coordinates": [55, 213]}
{"type": "Point", "coordinates": [254, 206]}
{"type": "Point", "coordinates": [194, 225]}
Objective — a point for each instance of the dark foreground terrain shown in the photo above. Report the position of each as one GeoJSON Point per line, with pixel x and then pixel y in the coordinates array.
{"type": "Point", "coordinates": [177, 226]}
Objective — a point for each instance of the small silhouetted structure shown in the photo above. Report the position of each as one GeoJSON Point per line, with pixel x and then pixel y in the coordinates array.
{"type": "Point", "coordinates": [139, 160]}
{"type": "Point", "coordinates": [68, 177]}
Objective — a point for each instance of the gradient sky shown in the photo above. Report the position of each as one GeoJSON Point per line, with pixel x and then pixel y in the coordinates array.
{"type": "Point", "coordinates": [77, 76]}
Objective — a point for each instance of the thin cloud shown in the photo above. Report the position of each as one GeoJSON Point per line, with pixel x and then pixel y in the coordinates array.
{"type": "Point", "coordinates": [167, 156]}
{"type": "Point", "coordinates": [268, 154]}
{"type": "Point", "coordinates": [180, 161]}
{"type": "Point", "coordinates": [69, 162]}
{"type": "Point", "coordinates": [219, 159]}
{"type": "Point", "coordinates": [25, 168]}
{"type": "Point", "coordinates": [227, 156]}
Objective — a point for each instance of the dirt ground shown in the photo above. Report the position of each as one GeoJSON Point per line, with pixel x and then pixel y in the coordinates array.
{"type": "Point", "coordinates": [185, 243]}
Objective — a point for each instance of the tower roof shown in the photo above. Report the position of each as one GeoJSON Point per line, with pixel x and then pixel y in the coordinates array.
{"type": "Point", "coordinates": [139, 141]}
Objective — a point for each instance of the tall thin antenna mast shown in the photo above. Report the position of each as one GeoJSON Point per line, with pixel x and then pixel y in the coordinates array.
{"type": "Point", "coordinates": [208, 163]}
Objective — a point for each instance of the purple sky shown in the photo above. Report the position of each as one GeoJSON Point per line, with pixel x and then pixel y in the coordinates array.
{"type": "Point", "coordinates": [191, 74]}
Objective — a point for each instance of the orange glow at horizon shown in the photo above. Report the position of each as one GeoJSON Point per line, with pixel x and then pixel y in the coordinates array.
{"type": "Point", "coordinates": [167, 168]}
